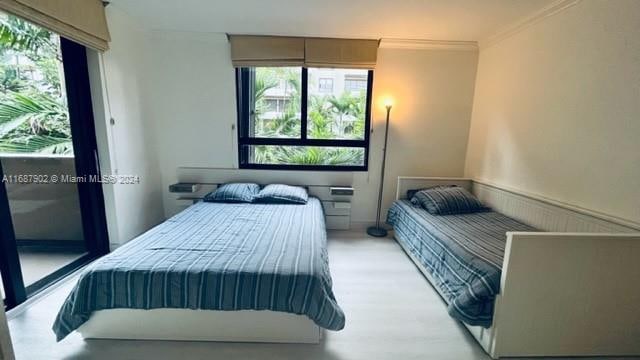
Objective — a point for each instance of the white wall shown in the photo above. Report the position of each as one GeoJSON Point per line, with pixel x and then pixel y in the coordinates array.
{"type": "Point", "coordinates": [192, 98]}
{"type": "Point", "coordinates": [193, 106]}
{"type": "Point", "coordinates": [432, 91]}
{"type": "Point", "coordinates": [119, 79]}
{"type": "Point", "coordinates": [557, 109]}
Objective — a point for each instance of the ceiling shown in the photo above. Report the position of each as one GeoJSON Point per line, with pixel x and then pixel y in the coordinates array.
{"type": "Point", "coordinates": [465, 20]}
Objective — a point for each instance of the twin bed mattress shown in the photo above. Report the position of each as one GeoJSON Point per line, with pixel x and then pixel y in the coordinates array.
{"type": "Point", "coordinates": [464, 254]}
{"type": "Point", "coordinates": [216, 256]}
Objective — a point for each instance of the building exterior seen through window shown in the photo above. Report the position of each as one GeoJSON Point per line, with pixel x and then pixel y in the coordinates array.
{"type": "Point", "coordinates": [325, 85]}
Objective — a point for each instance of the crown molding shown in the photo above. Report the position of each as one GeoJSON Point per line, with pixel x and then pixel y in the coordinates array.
{"type": "Point", "coordinates": [514, 28]}
{"type": "Point", "coordinates": [428, 44]}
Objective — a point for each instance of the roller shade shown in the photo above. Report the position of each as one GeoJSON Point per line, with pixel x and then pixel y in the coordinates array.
{"type": "Point", "coordinates": [82, 21]}
{"type": "Point", "coordinates": [341, 53]}
{"type": "Point", "coordinates": [253, 51]}
{"type": "Point", "coordinates": [250, 51]}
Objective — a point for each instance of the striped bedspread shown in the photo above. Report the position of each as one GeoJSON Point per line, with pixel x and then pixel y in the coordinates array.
{"type": "Point", "coordinates": [463, 252]}
{"type": "Point", "coordinates": [216, 256]}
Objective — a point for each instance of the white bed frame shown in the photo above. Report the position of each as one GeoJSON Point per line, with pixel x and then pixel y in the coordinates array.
{"type": "Point", "coordinates": [201, 325]}
{"type": "Point", "coordinates": [573, 291]}
{"type": "Point", "coordinates": [210, 325]}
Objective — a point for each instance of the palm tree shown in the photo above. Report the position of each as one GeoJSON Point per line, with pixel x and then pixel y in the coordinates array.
{"type": "Point", "coordinates": [263, 82]}
{"type": "Point", "coordinates": [311, 156]}
{"type": "Point", "coordinates": [343, 106]}
{"type": "Point", "coordinates": [320, 118]}
{"type": "Point", "coordinates": [33, 113]}
{"type": "Point", "coordinates": [34, 123]}
{"type": "Point", "coordinates": [29, 40]}
{"type": "Point", "coordinates": [285, 125]}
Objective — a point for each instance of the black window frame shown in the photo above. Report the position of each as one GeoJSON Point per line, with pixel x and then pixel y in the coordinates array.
{"type": "Point", "coordinates": [243, 88]}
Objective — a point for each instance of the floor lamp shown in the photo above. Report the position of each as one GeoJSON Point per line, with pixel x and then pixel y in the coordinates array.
{"type": "Point", "coordinates": [379, 231]}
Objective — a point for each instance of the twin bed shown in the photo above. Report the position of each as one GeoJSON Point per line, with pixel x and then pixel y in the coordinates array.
{"type": "Point", "coordinates": [216, 271]}
{"type": "Point", "coordinates": [463, 253]}
{"type": "Point", "coordinates": [525, 291]}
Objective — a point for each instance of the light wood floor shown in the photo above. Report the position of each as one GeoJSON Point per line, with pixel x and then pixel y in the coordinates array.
{"type": "Point", "coordinates": [392, 313]}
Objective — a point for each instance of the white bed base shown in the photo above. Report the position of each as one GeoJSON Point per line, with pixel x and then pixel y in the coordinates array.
{"type": "Point", "coordinates": [209, 325]}
{"type": "Point", "coordinates": [561, 293]}
{"type": "Point", "coordinates": [201, 325]}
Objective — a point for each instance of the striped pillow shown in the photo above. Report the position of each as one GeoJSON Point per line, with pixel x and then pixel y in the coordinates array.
{"type": "Point", "coordinates": [448, 201]}
{"type": "Point", "coordinates": [282, 194]}
{"type": "Point", "coordinates": [233, 193]}
{"type": "Point", "coordinates": [412, 192]}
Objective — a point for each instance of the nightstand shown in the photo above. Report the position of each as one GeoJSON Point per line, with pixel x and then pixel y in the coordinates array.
{"type": "Point", "coordinates": [336, 202]}
{"type": "Point", "coordinates": [187, 195]}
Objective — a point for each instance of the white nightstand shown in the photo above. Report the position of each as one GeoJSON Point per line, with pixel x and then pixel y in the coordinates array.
{"type": "Point", "coordinates": [187, 194]}
{"type": "Point", "coordinates": [336, 202]}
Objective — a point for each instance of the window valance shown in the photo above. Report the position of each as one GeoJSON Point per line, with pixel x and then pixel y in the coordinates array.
{"type": "Point", "coordinates": [82, 21]}
{"type": "Point", "coordinates": [256, 51]}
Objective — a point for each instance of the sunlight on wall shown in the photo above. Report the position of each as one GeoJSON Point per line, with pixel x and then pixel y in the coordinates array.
{"type": "Point", "coordinates": [432, 94]}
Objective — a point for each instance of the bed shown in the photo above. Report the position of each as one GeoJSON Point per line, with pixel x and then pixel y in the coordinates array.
{"type": "Point", "coordinates": [219, 271]}
{"type": "Point", "coordinates": [464, 254]}
{"type": "Point", "coordinates": [561, 290]}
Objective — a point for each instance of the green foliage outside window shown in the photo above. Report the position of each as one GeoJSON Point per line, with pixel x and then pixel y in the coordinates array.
{"type": "Point", "coordinates": [33, 109]}
{"type": "Point", "coordinates": [329, 117]}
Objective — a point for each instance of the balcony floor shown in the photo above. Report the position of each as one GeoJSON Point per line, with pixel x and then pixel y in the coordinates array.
{"type": "Point", "coordinates": [37, 263]}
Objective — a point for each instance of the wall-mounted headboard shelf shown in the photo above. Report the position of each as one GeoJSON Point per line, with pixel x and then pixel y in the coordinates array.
{"type": "Point", "coordinates": [183, 187]}
{"type": "Point", "coordinates": [333, 189]}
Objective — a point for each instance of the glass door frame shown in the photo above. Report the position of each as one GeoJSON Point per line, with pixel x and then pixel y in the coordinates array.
{"type": "Point", "coordinates": [94, 221]}
{"type": "Point", "coordinates": [14, 290]}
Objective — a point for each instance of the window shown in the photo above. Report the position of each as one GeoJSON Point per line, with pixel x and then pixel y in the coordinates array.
{"type": "Point", "coordinates": [295, 118]}
{"type": "Point", "coordinates": [355, 83]}
{"type": "Point", "coordinates": [325, 85]}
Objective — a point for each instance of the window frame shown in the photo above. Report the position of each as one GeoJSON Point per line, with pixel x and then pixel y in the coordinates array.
{"type": "Point", "coordinates": [243, 88]}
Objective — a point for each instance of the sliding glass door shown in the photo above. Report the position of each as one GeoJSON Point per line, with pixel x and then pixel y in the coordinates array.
{"type": "Point", "coordinates": [51, 212]}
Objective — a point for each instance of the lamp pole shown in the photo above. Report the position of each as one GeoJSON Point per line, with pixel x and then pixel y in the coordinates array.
{"type": "Point", "coordinates": [377, 230]}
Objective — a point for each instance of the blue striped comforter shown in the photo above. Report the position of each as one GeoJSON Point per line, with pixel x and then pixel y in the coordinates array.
{"type": "Point", "coordinates": [218, 257]}
{"type": "Point", "coordinates": [462, 252]}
